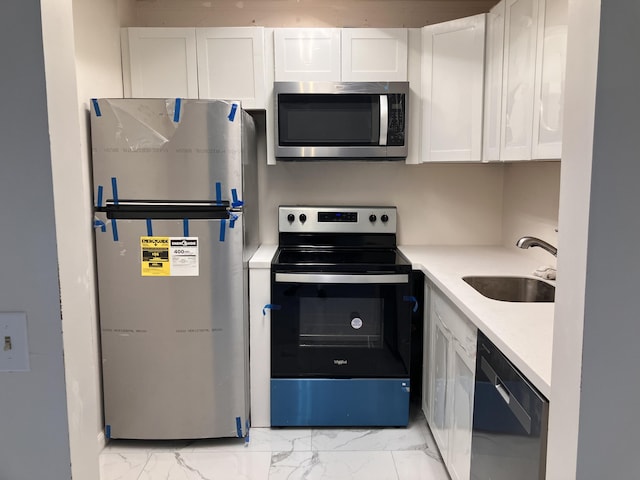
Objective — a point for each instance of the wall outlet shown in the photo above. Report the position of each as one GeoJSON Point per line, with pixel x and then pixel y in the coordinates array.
{"type": "Point", "coordinates": [14, 349]}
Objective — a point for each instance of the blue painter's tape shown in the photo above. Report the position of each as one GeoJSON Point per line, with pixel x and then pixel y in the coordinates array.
{"type": "Point", "coordinates": [223, 227]}
{"type": "Point", "coordinates": [218, 193]}
{"type": "Point", "coordinates": [97, 223]}
{"type": "Point", "coordinates": [176, 112]}
{"type": "Point", "coordinates": [235, 203]}
{"type": "Point", "coordinates": [408, 298]}
{"type": "Point", "coordinates": [100, 190]}
{"type": "Point", "coordinates": [96, 107]}
{"type": "Point", "coordinates": [149, 228]}
{"type": "Point", "coordinates": [107, 431]}
{"type": "Point", "coordinates": [270, 306]}
{"type": "Point", "coordinates": [239, 427]}
{"type": "Point", "coordinates": [185, 227]}
{"type": "Point", "coordinates": [232, 220]}
{"type": "Point", "coordinates": [114, 189]}
{"type": "Point", "coordinates": [114, 229]}
{"type": "Point", "coordinates": [232, 113]}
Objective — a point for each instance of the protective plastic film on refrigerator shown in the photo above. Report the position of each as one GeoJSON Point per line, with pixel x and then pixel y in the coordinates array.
{"type": "Point", "coordinates": [175, 185]}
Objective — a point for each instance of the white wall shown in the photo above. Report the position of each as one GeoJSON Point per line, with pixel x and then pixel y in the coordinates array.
{"type": "Point", "coordinates": [530, 206]}
{"type": "Point", "coordinates": [33, 414]}
{"type": "Point", "coordinates": [437, 204]}
{"type": "Point", "coordinates": [610, 387]}
{"type": "Point", "coordinates": [575, 191]}
{"type": "Point", "coordinates": [82, 59]}
{"type": "Point", "coordinates": [305, 13]}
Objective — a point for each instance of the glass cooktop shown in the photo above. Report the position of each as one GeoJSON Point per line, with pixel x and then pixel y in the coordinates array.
{"type": "Point", "coordinates": [341, 256]}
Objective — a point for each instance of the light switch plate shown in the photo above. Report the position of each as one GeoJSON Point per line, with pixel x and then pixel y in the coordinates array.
{"type": "Point", "coordinates": [14, 349]}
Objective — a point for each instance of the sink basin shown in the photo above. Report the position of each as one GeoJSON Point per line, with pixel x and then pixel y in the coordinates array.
{"type": "Point", "coordinates": [513, 289]}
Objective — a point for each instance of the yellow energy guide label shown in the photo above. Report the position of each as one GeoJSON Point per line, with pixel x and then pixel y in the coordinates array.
{"type": "Point", "coordinates": [169, 256]}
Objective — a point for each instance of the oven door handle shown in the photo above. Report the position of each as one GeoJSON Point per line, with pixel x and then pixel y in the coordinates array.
{"type": "Point", "coordinates": [341, 278]}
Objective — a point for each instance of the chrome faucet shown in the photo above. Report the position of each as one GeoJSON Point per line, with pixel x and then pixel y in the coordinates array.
{"type": "Point", "coordinates": [526, 242]}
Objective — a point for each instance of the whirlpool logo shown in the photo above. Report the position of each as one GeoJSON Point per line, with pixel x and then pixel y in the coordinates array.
{"type": "Point", "coordinates": [340, 362]}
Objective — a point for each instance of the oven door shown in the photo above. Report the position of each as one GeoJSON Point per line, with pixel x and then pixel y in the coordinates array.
{"type": "Point", "coordinates": [340, 325]}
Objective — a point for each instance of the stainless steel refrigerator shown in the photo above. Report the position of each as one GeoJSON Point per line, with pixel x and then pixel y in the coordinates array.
{"type": "Point", "coordinates": [175, 185]}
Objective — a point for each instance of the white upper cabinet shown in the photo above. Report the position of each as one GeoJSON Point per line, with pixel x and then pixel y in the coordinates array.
{"type": "Point", "coordinates": [452, 90]}
{"type": "Point", "coordinates": [225, 63]}
{"type": "Point", "coordinates": [521, 28]}
{"type": "Point", "coordinates": [231, 64]}
{"type": "Point", "coordinates": [493, 83]}
{"type": "Point", "coordinates": [307, 54]}
{"type": "Point", "coordinates": [549, 82]}
{"type": "Point", "coordinates": [374, 54]}
{"type": "Point", "coordinates": [160, 62]}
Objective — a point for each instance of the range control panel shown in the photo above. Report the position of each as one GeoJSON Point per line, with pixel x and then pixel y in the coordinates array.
{"type": "Point", "coordinates": [305, 219]}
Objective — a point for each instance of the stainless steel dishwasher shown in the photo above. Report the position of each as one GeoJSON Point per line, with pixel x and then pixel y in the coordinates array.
{"type": "Point", "coordinates": [510, 417]}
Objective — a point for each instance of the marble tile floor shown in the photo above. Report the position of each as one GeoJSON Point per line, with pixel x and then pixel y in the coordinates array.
{"type": "Point", "coordinates": [284, 454]}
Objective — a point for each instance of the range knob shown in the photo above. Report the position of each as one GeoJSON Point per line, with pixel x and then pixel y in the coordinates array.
{"type": "Point", "coordinates": [303, 217]}
{"type": "Point", "coordinates": [291, 217]}
{"type": "Point", "coordinates": [372, 218]}
{"type": "Point", "coordinates": [384, 218]}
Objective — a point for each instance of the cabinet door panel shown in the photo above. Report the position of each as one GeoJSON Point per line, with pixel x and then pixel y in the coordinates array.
{"type": "Point", "coordinates": [231, 64]}
{"type": "Point", "coordinates": [452, 89]}
{"type": "Point", "coordinates": [462, 414]}
{"type": "Point", "coordinates": [521, 19]}
{"type": "Point", "coordinates": [373, 54]}
{"type": "Point", "coordinates": [307, 54]}
{"type": "Point", "coordinates": [550, 73]}
{"type": "Point", "coordinates": [493, 83]}
{"type": "Point", "coordinates": [162, 62]}
{"type": "Point", "coordinates": [440, 384]}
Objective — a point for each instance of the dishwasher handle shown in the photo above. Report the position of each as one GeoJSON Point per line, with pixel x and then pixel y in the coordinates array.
{"type": "Point", "coordinates": [516, 408]}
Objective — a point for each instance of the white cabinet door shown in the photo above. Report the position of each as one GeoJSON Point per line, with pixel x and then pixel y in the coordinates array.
{"type": "Point", "coordinates": [374, 54]}
{"type": "Point", "coordinates": [231, 64]}
{"type": "Point", "coordinates": [521, 27]}
{"type": "Point", "coordinates": [307, 54]}
{"type": "Point", "coordinates": [161, 62]}
{"type": "Point", "coordinates": [452, 374]}
{"type": "Point", "coordinates": [549, 83]}
{"type": "Point", "coordinates": [452, 90]}
{"type": "Point", "coordinates": [440, 388]}
{"type": "Point", "coordinates": [260, 344]}
{"type": "Point", "coordinates": [462, 411]}
{"type": "Point", "coordinates": [493, 83]}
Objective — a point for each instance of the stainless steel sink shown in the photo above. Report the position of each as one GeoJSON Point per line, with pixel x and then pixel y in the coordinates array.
{"type": "Point", "coordinates": [513, 289]}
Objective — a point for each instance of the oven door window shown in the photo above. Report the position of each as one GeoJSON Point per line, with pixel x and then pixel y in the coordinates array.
{"type": "Point", "coordinates": [340, 330]}
{"type": "Point", "coordinates": [328, 120]}
{"type": "Point", "coordinates": [341, 322]}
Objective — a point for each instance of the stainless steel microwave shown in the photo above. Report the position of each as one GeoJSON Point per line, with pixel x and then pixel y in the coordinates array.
{"type": "Point", "coordinates": [341, 120]}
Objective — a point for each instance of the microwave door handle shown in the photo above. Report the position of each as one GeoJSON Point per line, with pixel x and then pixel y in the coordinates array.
{"type": "Point", "coordinates": [384, 120]}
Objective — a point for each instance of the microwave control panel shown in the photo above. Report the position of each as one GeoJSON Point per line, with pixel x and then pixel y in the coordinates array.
{"type": "Point", "coordinates": [397, 112]}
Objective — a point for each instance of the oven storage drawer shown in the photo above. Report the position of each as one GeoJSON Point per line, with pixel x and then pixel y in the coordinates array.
{"type": "Point", "coordinates": [329, 325]}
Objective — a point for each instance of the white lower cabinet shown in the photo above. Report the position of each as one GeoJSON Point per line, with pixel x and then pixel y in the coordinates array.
{"type": "Point", "coordinates": [451, 370]}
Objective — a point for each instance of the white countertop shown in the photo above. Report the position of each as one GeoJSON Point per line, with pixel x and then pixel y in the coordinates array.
{"type": "Point", "coordinates": [263, 256]}
{"type": "Point", "coordinates": [522, 331]}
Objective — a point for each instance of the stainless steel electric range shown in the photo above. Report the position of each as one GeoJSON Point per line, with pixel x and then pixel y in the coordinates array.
{"type": "Point", "coordinates": [341, 319]}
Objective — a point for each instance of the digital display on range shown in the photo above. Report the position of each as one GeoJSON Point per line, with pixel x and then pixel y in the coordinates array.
{"type": "Point", "coordinates": [337, 217]}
